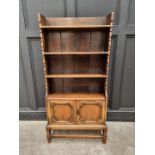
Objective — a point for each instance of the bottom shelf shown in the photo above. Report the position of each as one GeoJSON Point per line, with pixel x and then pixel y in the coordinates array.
{"type": "Point", "coordinates": [76, 127]}
{"type": "Point", "coordinates": [76, 96]}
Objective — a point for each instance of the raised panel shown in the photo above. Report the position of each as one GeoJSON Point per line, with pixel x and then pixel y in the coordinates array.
{"type": "Point", "coordinates": [91, 111]}
{"type": "Point", "coordinates": [37, 70]}
{"type": "Point", "coordinates": [127, 98]}
{"type": "Point", "coordinates": [112, 67]}
{"type": "Point", "coordinates": [86, 115]}
{"type": "Point", "coordinates": [131, 12]}
{"type": "Point", "coordinates": [96, 8]}
{"type": "Point", "coordinates": [61, 111]}
{"type": "Point", "coordinates": [54, 8]}
{"type": "Point", "coordinates": [22, 86]}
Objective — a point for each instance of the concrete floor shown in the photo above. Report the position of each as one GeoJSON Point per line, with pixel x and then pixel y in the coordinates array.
{"type": "Point", "coordinates": [33, 141]}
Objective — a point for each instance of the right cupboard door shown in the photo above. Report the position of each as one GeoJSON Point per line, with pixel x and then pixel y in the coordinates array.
{"type": "Point", "coordinates": [91, 111]}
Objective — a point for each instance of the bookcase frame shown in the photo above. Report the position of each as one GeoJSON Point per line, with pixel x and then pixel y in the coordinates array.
{"type": "Point", "coordinates": [76, 57]}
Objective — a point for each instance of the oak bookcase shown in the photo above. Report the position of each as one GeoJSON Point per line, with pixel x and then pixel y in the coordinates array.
{"type": "Point", "coordinates": [75, 56]}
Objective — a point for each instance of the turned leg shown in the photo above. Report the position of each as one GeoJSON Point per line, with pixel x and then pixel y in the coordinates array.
{"type": "Point", "coordinates": [105, 135]}
{"type": "Point", "coordinates": [48, 131]}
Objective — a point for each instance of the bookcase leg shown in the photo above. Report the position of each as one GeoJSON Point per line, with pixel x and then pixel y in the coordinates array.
{"type": "Point", "coordinates": [104, 140]}
{"type": "Point", "coordinates": [48, 131]}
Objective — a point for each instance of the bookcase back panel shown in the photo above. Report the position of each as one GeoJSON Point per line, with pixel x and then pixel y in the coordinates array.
{"type": "Point", "coordinates": [75, 21]}
{"type": "Point", "coordinates": [69, 40]}
{"type": "Point", "coordinates": [97, 41]}
{"type": "Point", "coordinates": [53, 41]}
{"type": "Point", "coordinates": [76, 64]}
{"type": "Point", "coordinates": [72, 85]}
{"type": "Point", "coordinates": [54, 64]}
{"type": "Point", "coordinates": [55, 85]}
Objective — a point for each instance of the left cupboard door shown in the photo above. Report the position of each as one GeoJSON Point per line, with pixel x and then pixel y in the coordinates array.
{"type": "Point", "coordinates": [61, 112]}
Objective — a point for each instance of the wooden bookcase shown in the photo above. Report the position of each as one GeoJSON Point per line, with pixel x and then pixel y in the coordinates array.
{"type": "Point", "coordinates": [75, 54]}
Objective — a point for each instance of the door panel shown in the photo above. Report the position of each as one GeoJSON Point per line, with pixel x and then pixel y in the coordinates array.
{"type": "Point", "coordinates": [91, 111]}
{"type": "Point", "coordinates": [61, 111]}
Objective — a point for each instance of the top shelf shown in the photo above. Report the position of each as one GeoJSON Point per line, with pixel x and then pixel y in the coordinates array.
{"type": "Point", "coordinates": [77, 53]}
{"type": "Point", "coordinates": [78, 27]}
{"type": "Point", "coordinates": [55, 23]}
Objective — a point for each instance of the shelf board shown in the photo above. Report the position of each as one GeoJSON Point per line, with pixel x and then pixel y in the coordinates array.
{"type": "Point", "coordinates": [76, 96]}
{"type": "Point", "coordinates": [76, 76]}
{"type": "Point", "coordinates": [77, 27]}
{"type": "Point", "coordinates": [77, 127]}
{"type": "Point", "coordinates": [77, 53]}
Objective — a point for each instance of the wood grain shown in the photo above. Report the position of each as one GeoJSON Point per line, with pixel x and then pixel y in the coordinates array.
{"type": "Point", "coordinates": [76, 76]}
{"type": "Point", "coordinates": [76, 96]}
{"type": "Point", "coordinates": [76, 57]}
{"type": "Point", "coordinates": [77, 27]}
{"type": "Point", "coordinates": [77, 53]}
{"type": "Point", "coordinates": [76, 136]}
{"type": "Point", "coordinates": [76, 127]}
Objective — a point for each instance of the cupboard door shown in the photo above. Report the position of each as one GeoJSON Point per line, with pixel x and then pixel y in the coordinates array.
{"type": "Point", "coordinates": [60, 111]}
{"type": "Point", "coordinates": [92, 111]}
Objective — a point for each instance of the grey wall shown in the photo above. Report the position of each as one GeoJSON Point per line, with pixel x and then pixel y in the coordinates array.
{"type": "Point", "coordinates": [121, 90]}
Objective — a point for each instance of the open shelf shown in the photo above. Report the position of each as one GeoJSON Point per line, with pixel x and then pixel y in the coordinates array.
{"type": "Point", "coordinates": [77, 53]}
{"type": "Point", "coordinates": [76, 64]}
{"type": "Point", "coordinates": [77, 27]}
{"type": "Point", "coordinates": [76, 76]}
{"type": "Point", "coordinates": [76, 96]}
{"type": "Point", "coordinates": [76, 85]}
{"type": "Point", "coordinates": [76, 41]}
